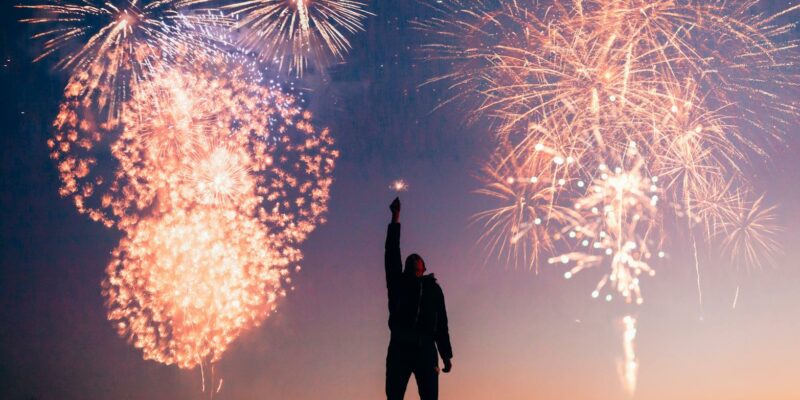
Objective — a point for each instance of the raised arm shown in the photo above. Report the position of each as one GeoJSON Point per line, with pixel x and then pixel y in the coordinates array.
{"type": "Point", "coordinates": [392, 261]}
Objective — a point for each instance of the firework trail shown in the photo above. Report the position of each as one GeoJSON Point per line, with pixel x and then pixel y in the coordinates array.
{"type": "Point", "coordinates": [290, 32]}
{"type": "Point", "coordinates": [628, 366]}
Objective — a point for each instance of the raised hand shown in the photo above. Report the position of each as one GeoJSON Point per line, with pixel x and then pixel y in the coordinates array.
{"type": "Point", "coordinates": [395, 208]}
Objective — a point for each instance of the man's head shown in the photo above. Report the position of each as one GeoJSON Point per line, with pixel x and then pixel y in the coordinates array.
{"type": "Point", "coordinates": [414, 265]}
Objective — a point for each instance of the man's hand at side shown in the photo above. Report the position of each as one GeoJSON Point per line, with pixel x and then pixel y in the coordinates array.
{"type": "Point", "coordinates": [448, 365]}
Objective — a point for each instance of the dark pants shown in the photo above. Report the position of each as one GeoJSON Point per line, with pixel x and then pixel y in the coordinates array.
{"type": "Point", "coordinates": [405, 358]}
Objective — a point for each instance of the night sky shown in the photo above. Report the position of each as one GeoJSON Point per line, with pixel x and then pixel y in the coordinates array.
{"type": "Point", "coordinates": [515, 334]}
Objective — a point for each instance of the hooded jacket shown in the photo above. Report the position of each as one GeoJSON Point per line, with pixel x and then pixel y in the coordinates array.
{"type": "Point", "coordinates": [417, 311]}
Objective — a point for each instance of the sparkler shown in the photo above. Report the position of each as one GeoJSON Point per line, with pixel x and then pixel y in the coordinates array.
{"type": "Point", "coordinates": [749, 233]}
{"type": "Point", "coordinates": [399, 185]}
{"type": "Point", "coordinates": [290, 32]}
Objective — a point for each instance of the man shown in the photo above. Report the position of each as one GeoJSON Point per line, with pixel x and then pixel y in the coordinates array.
{"type": "Point", "coordinates": [417, 321]}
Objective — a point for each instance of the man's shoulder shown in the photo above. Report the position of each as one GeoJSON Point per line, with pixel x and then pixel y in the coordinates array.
{"type": "Point", "coordinates": [430, 280]}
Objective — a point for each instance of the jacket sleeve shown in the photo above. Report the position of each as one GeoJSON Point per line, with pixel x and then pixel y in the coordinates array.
{"type": "Point", "coordinates": [442, 331]}
{"type": "Point", "coordinates": [392, 262]}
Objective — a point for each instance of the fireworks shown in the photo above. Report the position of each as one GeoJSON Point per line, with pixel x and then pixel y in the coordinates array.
{"type": "Point", "coordinates": [214, 135]}
{"type": "Point", "coordinates": [699, 89]}
{"type": "Point", "coordinates": [181, 287]}
{"type": "Point", "coordinates": [290, 32]}
{"type": "Point", "coordinates": [218, 179]}
{"type": "Point", "coordinates": [749, 233]}
{"type": "Point", "coordinates": [109, 46]}
{"type": "Point", "coordinates": [214, 175]}
{"type": "Point", "coordinates": [638, 117]}
{"type": "Point", "coordinates": [595, 60]}
{"type": "Point", "coordinates": [617, 223]}
{"type": "Point", "coordinates": [527, 189]}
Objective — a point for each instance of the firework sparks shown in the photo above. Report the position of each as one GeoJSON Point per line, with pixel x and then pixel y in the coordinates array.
{"type": "Point", "coordinates": [619, 212]}
{"type": "Point", "coordinates": [110, 46]}
{"type": "Point", "coordinates": [216, 133]}
{"type": "Point", "coordinates": [526, 190]}
{"type": "Point", "coordinates": [289, 32]}
{"type": "Point", "coordinates": [214, 176]}
{"type": "Point", "coordinates": [598, 60]}
{"type": "Point", "coordinates": [181, 287]}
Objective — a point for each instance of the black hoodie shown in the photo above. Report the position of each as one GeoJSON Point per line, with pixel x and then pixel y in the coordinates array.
{"type": "Point", "coordinates": [416, 305]}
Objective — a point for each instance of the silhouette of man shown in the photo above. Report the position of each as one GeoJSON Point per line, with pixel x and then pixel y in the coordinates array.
{"type": "Point", "coordinates": [417, 321]}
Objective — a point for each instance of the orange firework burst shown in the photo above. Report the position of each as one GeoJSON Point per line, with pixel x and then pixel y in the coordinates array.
{"type": "Point", "coordinates": [209, 134]}
{"type": "Point", "coordinates": [289, 32]}
{"type": "Point", "coordinates": [597, 59]}
{"type": "Point", "coordinates": [217, 180]}
{"type": "Point", "coordinates": [399, 185]}
{"type": "Point", "coordinates": [182, 286]}
{"type": "Point", "coordinates": [214, 176]}
{"type": "Point", "coordinates": [628, 364]}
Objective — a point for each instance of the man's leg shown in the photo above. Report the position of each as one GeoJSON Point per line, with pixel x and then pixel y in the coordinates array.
{"type": "Point", "coordinates": [426, 372]}
{"type": "Point", "coordinates": [398, 370]}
